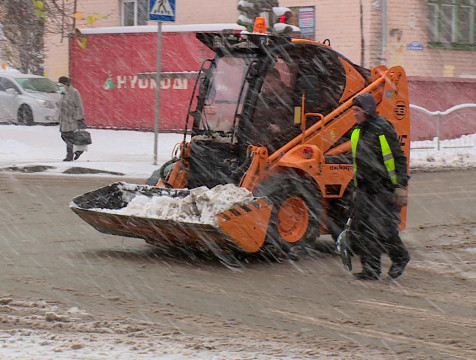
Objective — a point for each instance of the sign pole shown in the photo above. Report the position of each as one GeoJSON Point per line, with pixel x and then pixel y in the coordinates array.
{"type": "Point", "coordinates": [157, 90]}
{"type": "Point", "coordinates": [159, 10]}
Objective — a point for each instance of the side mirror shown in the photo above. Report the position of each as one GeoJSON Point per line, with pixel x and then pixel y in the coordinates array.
{"type": "Point", "coordinates": [253, 72]}
{"type": "Point", "coordinates": [11, 91]}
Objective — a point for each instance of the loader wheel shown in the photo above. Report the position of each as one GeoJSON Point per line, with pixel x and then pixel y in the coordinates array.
{"type": "Point", "coordinates": [162, 173]}
{"type": "Point", "coordinates": [294, 223]}
{"type": "Point", "coordinates": [292, 219]}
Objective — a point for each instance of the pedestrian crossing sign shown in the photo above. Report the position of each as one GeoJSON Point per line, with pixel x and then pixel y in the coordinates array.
{"type": "Point", "coordinates": [162, 10]}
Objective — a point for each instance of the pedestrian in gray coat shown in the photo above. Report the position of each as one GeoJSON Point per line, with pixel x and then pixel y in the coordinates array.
{"type": "Point", "coordinates": [71, 116]}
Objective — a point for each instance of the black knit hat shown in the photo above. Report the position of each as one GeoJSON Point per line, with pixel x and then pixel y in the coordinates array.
{"type": "Point", "coordinates": [64, 80]}
{"type": "Point", "coordinates": [366, 102]}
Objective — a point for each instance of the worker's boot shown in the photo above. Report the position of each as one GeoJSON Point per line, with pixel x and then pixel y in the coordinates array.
{"type": "Point", "coordinates": [398, 267]}
{"type": "Point", "coordinates": [367, 275]}
{"type": "Point", "coordinates": [370, 268]}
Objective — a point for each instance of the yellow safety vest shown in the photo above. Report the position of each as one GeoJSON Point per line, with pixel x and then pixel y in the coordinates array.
{"type": "Point", "coordinates": [388, 158]}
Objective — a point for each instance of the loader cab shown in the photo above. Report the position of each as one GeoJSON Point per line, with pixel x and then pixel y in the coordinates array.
{"type": "Point", "coordinates": [234, 89]}
{"type": "Point", "coordinates": [307, 70]}
{"type": "Point", "coordinates": [222, 95]}
{"type": "Point", "coordinates": [233, 108]}
{"type": "Point", "coordinates": [215, 148]}
{"type": "Point", "coordinates": [272, 114]}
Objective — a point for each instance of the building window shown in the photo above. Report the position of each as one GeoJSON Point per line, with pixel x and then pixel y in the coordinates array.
{"type": "Point", "coordinates": [128, 13]}
{"type": "Point", "coordinates": [451, 23]}
{"type": "Point", "coordinates": [133, 12]}
{"type": "Point", "coordinates": [304, 18]}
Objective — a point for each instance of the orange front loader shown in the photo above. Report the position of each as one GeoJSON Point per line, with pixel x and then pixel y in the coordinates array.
{"type": "Point", "coordinates": [300, 176]}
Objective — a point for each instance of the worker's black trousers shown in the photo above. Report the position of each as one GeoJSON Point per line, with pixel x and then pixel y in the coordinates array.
{"type": "Point", "coordinates": [374, 230]}
{"type": "Point", "coordinates": [68, 138]}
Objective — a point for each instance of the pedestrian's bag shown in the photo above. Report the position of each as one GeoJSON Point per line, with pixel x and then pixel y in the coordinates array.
{"type": "Point", "coordinates": [80, 148]}
{"type": "Point", "coordinates": [82, 137]}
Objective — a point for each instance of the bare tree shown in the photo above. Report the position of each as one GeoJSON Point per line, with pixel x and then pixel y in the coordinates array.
{"type": "Point", "coordinates": [24, 32]}
{"type": "Point", "coordinates": [25, 24]}
{"type": "Point", "coordinates": [58, 15]}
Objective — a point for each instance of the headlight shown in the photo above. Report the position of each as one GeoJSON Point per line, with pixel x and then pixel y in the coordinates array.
{"type": "Point", "coordinates": [46, 103]}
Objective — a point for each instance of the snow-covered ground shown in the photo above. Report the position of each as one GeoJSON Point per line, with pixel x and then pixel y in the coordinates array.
{"type": "Point", "coordinates": [87, 338]}
{"type": "Point", "coordinates": [126, 152]}
{"type": "Point", "coordinates": [131, 152]}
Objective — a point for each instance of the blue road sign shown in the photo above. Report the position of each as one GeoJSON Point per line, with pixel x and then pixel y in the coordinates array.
{"type": "Point", "coordinates": [162, 10]}
{"type": "Point", "coordinates": [415, 45]}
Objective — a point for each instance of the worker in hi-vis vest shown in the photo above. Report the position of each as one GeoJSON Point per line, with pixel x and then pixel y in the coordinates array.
{"type": "Point", "coordinates": [380, 178]}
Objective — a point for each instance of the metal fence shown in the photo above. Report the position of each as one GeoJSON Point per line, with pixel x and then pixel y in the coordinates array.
{"type": "Point", "coordinates": [436, 142]}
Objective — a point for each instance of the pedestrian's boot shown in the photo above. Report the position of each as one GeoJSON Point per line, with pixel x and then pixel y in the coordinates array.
{"type": "Point", "coordinates": [69, 154]}
{"type": "Point", "coordinates": [398, 267]}
{"type": "Point", "coordinates": [77, 154]}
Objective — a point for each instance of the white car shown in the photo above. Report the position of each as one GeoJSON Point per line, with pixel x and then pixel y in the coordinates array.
{"type": "Point", "coordinates": [28, 99]}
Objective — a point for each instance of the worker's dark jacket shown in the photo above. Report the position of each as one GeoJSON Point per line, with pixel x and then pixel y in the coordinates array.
{"type": "Point", "coordinates": [375, 217]}
{"type": "Point", "coordinates": [371, 174]}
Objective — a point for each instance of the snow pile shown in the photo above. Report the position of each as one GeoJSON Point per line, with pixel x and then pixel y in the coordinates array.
{"type": "Point", "coordinates": [446, 159]}
{"type": "Point", "coordinates": [457, 153]}
{"type": "Point", "coordinates": [200, 206]}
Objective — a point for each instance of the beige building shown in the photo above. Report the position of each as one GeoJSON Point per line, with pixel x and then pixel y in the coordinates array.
{"type": "Point", "coordinates": [434, 40]}
{"type": "Point", "coordinates": [429, 38]}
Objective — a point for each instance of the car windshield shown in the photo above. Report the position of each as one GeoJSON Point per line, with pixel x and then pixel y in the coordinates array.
{"type": "Point", "coordinates": [37, 85]}
{"type": "Point", "coordinates": [222, 97]}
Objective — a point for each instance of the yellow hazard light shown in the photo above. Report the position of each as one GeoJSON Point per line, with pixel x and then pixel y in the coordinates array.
{"type": "Point", "coordinates": [260, 26]}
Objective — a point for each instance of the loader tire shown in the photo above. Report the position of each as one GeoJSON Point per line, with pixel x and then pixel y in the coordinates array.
{"type": "Point", "coordinates": [294, 223]}
{"type": "Point", "coordinates": [162, 173]}
{"type": "Point", "coordinates": [154, 178]}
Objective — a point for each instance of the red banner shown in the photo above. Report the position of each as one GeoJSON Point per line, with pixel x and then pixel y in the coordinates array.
{"type": "Point", "coordinates": [105, 69]}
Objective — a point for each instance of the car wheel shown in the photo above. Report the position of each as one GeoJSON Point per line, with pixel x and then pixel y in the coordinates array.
{"type": "Point", "coordinates": [25, 115]}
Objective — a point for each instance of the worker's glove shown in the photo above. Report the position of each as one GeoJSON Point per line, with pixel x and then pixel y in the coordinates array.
{"type": "Point", "coordinates": [400, 197]}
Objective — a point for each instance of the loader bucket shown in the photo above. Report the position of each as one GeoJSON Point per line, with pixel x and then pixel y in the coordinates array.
{"type": "Point", "coordinates": [241, 228]}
